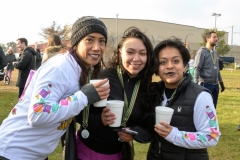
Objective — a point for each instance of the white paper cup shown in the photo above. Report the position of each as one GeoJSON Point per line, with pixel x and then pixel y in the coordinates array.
{"type": "Point", "coordinates": [116, 107]}
{"type": "Point", "coordinates": [163, 114]}
{"type": "Point", "coordinates": [103, 102]}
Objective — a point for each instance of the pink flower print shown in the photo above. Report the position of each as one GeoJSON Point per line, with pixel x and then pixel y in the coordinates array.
{"type": "Point", "coordinates": [47, 108]}
{"type": "Point", "coordinates": [64, 102]}
{"type": "Point", "coordinates": [38, 108]}
{"type": "Point", "coordinates": [192, 137]}
{"type": "Point", "coordinates": [43, 93]}
{"type": "Point", "coordinates": [14, 110]}
{"type": "Point", "coordinates": [214, 133]}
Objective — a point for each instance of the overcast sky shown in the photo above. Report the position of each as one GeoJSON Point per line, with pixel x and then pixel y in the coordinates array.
{"type": "Point", "coordinates": [24, 18]}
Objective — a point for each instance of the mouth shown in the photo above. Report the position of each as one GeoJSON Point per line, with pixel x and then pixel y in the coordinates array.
{"type": "Point", "coordinates": [170, 73]}
{"type": "Point", "coordinates": [135, 66]}
{"type": "Point", "coordinates": [94, 56]}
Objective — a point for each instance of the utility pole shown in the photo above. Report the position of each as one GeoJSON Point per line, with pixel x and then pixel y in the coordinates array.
{"type": "Point", "coordinates": [232, 36]}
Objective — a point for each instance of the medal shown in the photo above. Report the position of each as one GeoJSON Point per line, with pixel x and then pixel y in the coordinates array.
{"type": "Point", "coordinates": [215, 67]}
{"type": "Point", "coordinates": [85, 134]}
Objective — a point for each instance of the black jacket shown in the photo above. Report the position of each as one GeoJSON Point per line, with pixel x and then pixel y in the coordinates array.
{"type": "Point", "coordinates": [38, 59]}
{"type": "Point", "coordinates": [103, 139]}
{"type": "Point", "coordinates": [3, 61]}
{"type": "Point", "coordinates": [186, 94]}
{"type": "Point", "coordinates": [10, 59]}
{"type": "Point", "coordinates": [24, 65]}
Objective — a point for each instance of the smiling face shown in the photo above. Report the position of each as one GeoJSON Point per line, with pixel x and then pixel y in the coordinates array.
{"type": "Point", "coordinates": [134, 56]}
{"type": "Point", "coordinates": [171, 67]}
{"type": "Point", "coordinates": [91, 49]}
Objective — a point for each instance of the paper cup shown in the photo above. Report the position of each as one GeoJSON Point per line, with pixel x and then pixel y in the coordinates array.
{"type": "Point", "coordinates": [163, 114]}
{"type": "Point", "coordinates": [116, 107]}
{"type": "Point", "coordinates": [103, 102]}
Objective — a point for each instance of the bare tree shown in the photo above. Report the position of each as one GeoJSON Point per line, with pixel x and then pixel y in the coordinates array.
{"type": "Point", "coordinates": [54, 29]}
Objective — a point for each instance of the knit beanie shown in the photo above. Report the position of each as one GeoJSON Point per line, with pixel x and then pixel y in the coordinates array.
{"type": "Point", "coordinates": [86, 25]}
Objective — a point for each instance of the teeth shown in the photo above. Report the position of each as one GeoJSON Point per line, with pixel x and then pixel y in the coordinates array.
{"type": "Point", "coordinates": [94, 55]}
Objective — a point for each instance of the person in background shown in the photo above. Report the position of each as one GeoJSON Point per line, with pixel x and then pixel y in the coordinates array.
{"type": "Point", "coordinates": [130, 73]}
{"type": "Point", "coordinates": [54, 46]}
{"type": "Point", "coordinates": [194, 125]}
{"type": "Point", "coordinates": [10, 59]}
{"type": "Point", "coordinates": [3, 60]}
{"type": "Point", "coordinates": [206, 67]}
{"type": "Point", "coordinates": [25, 63]}
{"type": "Point", "coordinates": [38, 56]}
{"type": "Point", "coordinates": [191, 67]}
{"type": "Point", "coordinates": [56, 93]}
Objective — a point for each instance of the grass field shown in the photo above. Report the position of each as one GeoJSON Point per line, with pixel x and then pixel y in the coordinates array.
{"type": "Point", "coordinates": [228, 111]}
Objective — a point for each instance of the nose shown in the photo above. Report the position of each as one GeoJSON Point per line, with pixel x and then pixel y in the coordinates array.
{"type": "Point", "coordinates": [96, 46]}
{"type": "Point", "coordinates": [136, 57]}
{"type": "Point", "coordinates": [170, 65]}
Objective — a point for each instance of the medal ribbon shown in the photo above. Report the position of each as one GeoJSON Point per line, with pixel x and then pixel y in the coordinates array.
{"type": "Point", "coordinates": [213, 57]}
{"type": "Point", "coordinates": [86, 109]}
{"type": "Point", "coordinates": [127, 108]}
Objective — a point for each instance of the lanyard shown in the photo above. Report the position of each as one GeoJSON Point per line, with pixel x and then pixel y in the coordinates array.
{"type": "Point", "coordinates": [127, 108]}
{"type": "Point", "coordinates": [213, 57]}
{"type": "Point", "coordinates": [86, 109]}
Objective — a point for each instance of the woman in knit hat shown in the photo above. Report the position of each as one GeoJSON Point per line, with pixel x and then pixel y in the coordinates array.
{"type": "Point", "coordinates": [56, 93]}
{"type": "Point", "coordinates": [130, 74]}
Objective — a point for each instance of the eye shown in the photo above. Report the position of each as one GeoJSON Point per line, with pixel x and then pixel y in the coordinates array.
{"type": "Point", "coordinates": [102, 41]}
{"type": "Point", "coordinates": [162, 62]}
{"type": "Point", "coordinates": [175, 61]}
{"type": "Point", "coordinates": [130, 52]}
{"type": "Point", "coordinates": [89, 39]}
{"type": "Point", "coordinates": [143, 53]}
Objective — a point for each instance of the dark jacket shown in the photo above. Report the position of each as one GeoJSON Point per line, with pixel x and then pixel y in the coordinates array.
{"type": "Point", "coordinates": [103, 139]}
{"type": "Point", "coordinates": [10, 59]}
{"type": "Point", "coordinates": [161, 149]}
{"type": "Point", "coordinates": [38, 59]}
{"type": "Point", "coordinates": [3, 61]}
{"type": "Point", "coordinates": [24, 65]}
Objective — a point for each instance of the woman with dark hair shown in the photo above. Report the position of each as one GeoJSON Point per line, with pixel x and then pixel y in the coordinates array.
{"type": "Point", "coordinates": [56, 93]}
{"type": "Point", "coordinates": [194, 125]}
{"type": "Point", "coordinates": [130, 71]}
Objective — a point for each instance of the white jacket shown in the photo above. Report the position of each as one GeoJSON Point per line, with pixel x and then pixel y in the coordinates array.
{"type": "Point", "coordinates": [34, 126]}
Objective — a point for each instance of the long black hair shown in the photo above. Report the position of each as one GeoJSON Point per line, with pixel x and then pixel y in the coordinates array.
{"type": "Point", "coordinates": [145, 75]}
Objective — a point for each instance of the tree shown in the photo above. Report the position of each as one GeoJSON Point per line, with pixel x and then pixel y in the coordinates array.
{"type": "Point", "coordinates": [222, 48]}
{"type": "Point", "coordinates": [111, 45]}
{"type": "Point", "coordinates": [13, 45]}
{"type": "Point", "coordinates": [54, 29]}
{"type": "Point", "coordinates": [3, 47]}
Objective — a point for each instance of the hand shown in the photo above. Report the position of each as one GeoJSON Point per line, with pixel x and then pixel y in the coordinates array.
{"type": "Point", "coordinates": [164, 130]}
{"type": "Point", "coordinates": [222, 86]}
{"type": "Point", "coordinates": [107, 117]}
{"type": "Point", "coordinates": [103, 91]}
{"type": "Point", "coordinates": [125, 137]}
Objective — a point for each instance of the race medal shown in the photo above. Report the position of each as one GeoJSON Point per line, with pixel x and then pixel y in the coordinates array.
{"type": "Point", "coordinates": [85, 134]}
{"type": "Point", "coordinates": [215, 67]}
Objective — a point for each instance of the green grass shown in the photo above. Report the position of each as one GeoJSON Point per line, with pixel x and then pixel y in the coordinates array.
{"type": "Point", "coordinates": [228, 112]}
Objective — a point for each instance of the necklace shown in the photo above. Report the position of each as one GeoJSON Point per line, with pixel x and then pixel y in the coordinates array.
{"type": "Point", "coordinates": [85, 132]}
{"type": "Point", "coordinates": [213, 59]}
{"type": "Point", "coordinates": [127, 108]}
